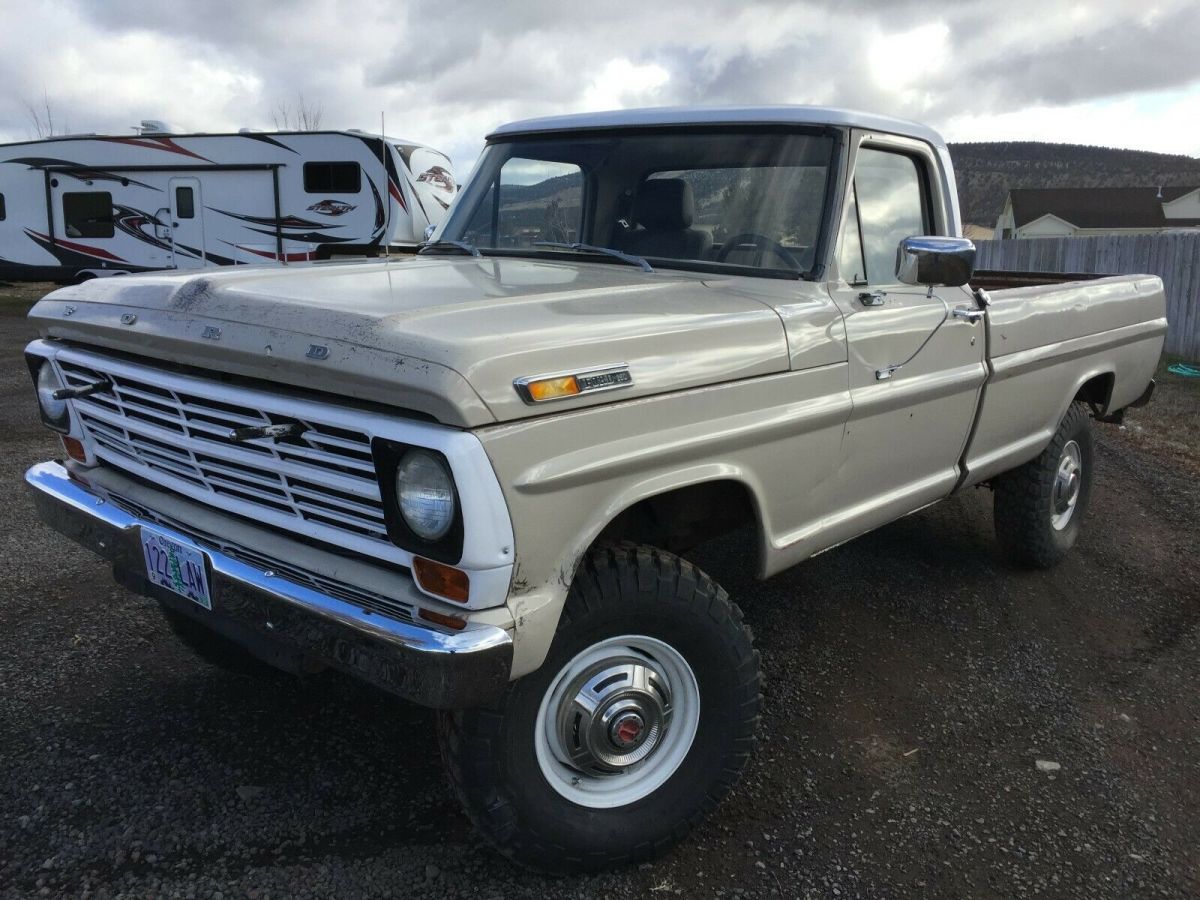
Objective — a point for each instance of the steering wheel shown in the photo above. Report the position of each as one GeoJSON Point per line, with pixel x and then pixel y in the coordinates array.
{"type": "Point", "coordinates": [762, 244]}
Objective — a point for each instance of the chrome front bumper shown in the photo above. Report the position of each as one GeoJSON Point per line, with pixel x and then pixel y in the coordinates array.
{"type": "Point", "coordinates": [257, 609]}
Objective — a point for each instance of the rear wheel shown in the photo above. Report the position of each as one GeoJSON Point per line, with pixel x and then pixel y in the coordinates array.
{"type": "Point", "coordinates": [1039, 507]}
{"type": "Point", "coordinates": [638, 723]}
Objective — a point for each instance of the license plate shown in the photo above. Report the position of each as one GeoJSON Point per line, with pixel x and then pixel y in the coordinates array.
{"type": "Point", "coordinates": [175, 566]}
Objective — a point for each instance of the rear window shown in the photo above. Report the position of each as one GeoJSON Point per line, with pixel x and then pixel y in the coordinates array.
{"type": "Point", "coordinates": [332, 177]}
{"type": "Point", "coordinates": [88, 214]}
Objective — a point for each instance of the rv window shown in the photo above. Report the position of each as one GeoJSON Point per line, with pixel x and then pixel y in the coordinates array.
{"type": "Point", "coordinates": [88, 214]}
{"type": "Point", "coordinates": [332, 178]}
{"type": "Point", "coordinates": [185, 203]}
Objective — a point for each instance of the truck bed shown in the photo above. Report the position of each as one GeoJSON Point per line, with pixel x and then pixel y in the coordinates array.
{"type": "Point", "coordinates": [1053, 338]}
{"type": "Point", "coordinates": [999, 280]}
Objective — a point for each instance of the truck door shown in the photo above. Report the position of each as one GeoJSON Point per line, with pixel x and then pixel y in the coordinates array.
{"type": "Point", "coordinates": [186, 223]}
{"type": "Point", "coordinates": [915, 369]}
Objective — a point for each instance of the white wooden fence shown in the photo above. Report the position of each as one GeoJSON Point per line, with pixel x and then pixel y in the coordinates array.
{"type": "Point", "coordinates": [1173, 257]}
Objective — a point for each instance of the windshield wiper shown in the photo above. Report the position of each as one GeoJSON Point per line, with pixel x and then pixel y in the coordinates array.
{"type": "Point", "coordinates": [606, 251]}
{"type": "Point", "coordinates": [446, 243]}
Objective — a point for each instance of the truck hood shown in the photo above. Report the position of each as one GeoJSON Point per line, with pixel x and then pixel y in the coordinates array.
{"type": "Point", "coordinates": [441, 336]}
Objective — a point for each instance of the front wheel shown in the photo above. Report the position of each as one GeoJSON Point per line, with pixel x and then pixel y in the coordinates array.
{"type": "Point", "coordinates": [1039, 507]}
{"type": "Point", "coordinates": [638, 723]}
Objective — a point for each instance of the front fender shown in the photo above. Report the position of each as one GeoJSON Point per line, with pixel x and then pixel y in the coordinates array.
{"type": "Point", "coordinates": [566, 477]}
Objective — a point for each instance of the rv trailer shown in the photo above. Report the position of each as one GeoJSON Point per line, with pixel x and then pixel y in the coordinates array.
{"type": "Point", "coordinates": [79, 207]}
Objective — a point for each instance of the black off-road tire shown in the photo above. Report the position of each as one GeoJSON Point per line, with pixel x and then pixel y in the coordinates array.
{"type": "Point", "coordinates": [490, 755]}
{"type": "Point", "coordinates": [1024, 499]}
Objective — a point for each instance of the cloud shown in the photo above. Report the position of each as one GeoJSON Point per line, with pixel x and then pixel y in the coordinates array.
{"type": "Point", "coordinates": [448, 74]}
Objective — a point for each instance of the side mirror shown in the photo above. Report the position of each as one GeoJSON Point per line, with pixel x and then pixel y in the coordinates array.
{"type": "Point", "coordinates": [928, 260]}
{"type": "Point", "coordinates": [429, 230]}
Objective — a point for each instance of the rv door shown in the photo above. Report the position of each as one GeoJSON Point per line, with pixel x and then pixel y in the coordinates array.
{"type": "Point", "coordinates": [187, 224]}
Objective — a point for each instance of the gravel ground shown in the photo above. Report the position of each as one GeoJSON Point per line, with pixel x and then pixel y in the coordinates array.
{"type": "Point", "coordinates": [918, 690]}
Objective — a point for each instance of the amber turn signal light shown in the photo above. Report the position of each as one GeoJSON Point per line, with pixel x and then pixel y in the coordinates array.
{"type": "Point", "coordinates": [452, 622]}
{"type": "Point", "coordinates": [552, 388]}
{"type": "Point", "coordinates": [442, 580]}
{"type": "Point", "coordinates": [74, 448]}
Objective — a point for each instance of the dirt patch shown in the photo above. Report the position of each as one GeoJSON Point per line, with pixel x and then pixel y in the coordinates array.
{"type": "Point", "coordinates": [131, 768]}
{"type": "Point", "coordinates": [1169, 426]}
{"type": "Point", "coordinates": [16, 298]}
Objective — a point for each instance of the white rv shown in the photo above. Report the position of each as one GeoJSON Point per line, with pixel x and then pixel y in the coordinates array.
{"type": "Point", "coordinates": [83, 206]}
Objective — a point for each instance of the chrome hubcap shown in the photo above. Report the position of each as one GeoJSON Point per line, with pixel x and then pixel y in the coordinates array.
{"type": "Point", "coordinates": [617, 721]}
{"type": "Point", "coordinates": [613, 715]}
{"type": "Point", "coordinates": [1067, 483]}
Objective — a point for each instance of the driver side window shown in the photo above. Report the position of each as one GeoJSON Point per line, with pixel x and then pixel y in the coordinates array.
{"type": "Point", "coordinates": [887, 205]}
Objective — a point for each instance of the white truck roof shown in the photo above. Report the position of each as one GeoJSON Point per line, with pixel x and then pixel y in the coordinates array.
{"type": "Point", "coordinates": [725, 115]}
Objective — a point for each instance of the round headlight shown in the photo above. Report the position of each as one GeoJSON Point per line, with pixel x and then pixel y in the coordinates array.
{"type": "Point", "coordinates": [425, 494]}
{"type": "Point", "coordinates": [54, 411]}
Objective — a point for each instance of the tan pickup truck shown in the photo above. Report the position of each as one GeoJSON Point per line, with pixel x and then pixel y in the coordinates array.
{"type": "Point", "coordinates": [467, 476]}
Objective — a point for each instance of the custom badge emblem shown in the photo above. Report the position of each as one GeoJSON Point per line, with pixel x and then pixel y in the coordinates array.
{"type": "Point", "coordinates": [331, 208]}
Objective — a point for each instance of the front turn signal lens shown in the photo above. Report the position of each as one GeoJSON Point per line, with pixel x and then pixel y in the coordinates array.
{"type": "Point", "coordinates": [74, 448]}
{"type": "Point", "coordinates": [442, 580]}
{"type": "Point", "coordinates": [552, 388]}
{"type": "Point", "coordinates": [454, 623]}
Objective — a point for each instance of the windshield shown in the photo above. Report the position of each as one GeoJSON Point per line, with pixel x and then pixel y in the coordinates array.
{"type": "Point", "coordinates": [745, 199]}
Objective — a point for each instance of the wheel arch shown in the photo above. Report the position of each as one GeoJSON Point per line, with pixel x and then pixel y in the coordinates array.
{"type": "Point", "coordinates": [680, 517]}
{"type": "Point", "coordinates": [1096, 389]}
{"type": "Point", "coordinates": [659, 506]}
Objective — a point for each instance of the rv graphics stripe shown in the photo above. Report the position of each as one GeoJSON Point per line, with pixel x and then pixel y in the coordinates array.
{"type": "Point", "coordinates": [312, 237]}
{"type": "Point", "coordinates": [394, 190]}
{"type": "Point", "coordinates": [131, 222]}
{"type": "Point", "coordinates": [380, 221]}
{"type": "Point", "coordinates": [208, 255]}
{"type": "Point", "coordinates": [150, 143]}
{"type": "Point", "coordinates": [94, 252]}
{"type": "Point", "coordinates": [285, 222]}
{"type": "Point", "coordinates": [69, 253]}
{"type": "Point", "coordinates": [302, 256]}
{"type": "Point", "coordinates": [379, 151]}
{"type": "Point", "coordinates": [81, 174]}
{"type": "Point", "coordinates": [267, 139]}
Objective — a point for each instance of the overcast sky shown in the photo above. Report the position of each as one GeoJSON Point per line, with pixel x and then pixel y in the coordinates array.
{"type": "Point", "coordinates": [1112, 72]}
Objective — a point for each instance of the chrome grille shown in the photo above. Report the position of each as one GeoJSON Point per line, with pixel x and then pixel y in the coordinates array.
{"type": "Point", "coordinates": [175, 430]}
{"type": "Point", "coordinates": [368, 601]}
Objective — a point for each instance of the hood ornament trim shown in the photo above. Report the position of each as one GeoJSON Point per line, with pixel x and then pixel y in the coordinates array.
{"type": "Point", "coordinates": [274, 432]}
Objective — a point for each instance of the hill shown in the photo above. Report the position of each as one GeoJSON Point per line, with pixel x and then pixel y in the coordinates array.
{"type": "Point", "coordinates": [986, 171]}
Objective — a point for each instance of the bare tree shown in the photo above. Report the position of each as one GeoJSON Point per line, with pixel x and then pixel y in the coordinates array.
{"type": "Point", "coordinates": [42, 119]}
{"type": "Point", "coordinates": [306, 115]}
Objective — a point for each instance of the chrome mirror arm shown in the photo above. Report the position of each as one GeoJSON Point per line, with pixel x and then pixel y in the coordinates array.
{"type": "Point", "coordinates": [888, 371]}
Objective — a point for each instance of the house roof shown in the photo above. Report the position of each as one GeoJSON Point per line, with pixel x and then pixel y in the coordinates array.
{"type": "Point", "coordinates": [1123, 207]}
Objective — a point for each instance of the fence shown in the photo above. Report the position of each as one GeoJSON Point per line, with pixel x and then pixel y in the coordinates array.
{"type": "Point", "coordinates": [1173, 257]}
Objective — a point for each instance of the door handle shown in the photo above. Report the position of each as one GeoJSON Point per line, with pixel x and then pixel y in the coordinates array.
{"type": "Point", "coordinates": [872, 298]}
{"type": "Point", "coordinates": [969, 315]}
